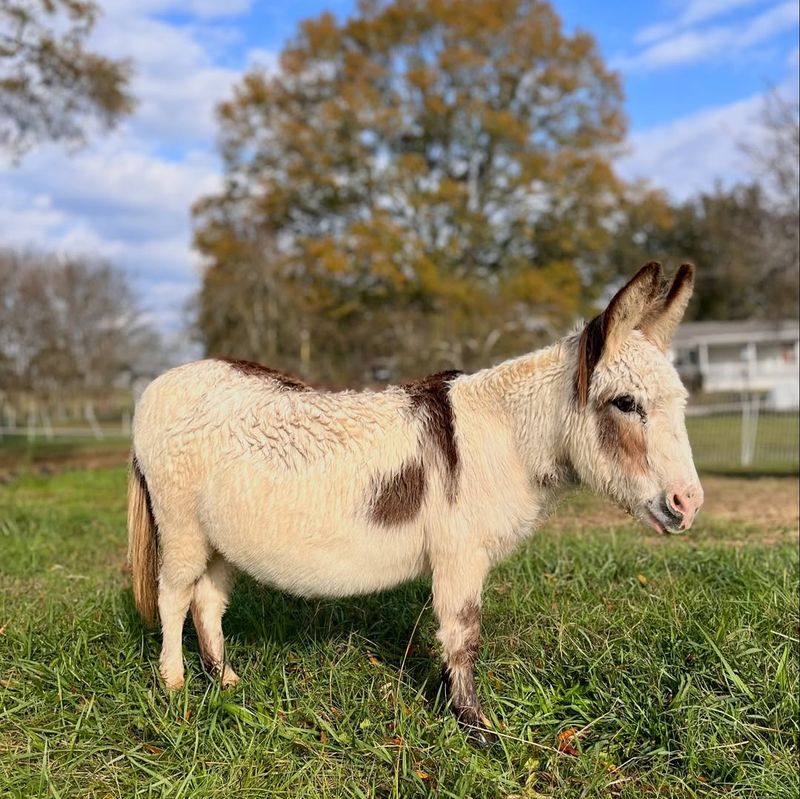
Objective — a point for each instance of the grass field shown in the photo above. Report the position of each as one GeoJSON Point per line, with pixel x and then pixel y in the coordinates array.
{"type": "Point", "coordinates": [674, 661]}
{"type": "Point", "coordinates": [716, 443]}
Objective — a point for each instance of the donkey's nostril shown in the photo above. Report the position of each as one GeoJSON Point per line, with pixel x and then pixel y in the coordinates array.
{"type": "Point", "coordinates": [677, 503]}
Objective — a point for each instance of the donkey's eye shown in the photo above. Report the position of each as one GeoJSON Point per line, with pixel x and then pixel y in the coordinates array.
{"type": "Point", "coordinates": [626, 403]}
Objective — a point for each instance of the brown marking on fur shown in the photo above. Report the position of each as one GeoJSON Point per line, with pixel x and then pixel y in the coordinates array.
{"type": "Point", "coordinates": [548, 481]}
{"type": "Point", "coordinates": [459, 672]}
{"type": "Point", "coordinates": [142, 545]}
{"type": "Point", "coordinates": [623, 437]}
{"type": "Point", "coordinates": [590, 348]}
{"type": "Point", "coordinates": [253, 369]}
{"type": "Point", "coordinates": [398, 497]}
{"type": "Point", "coordinates": [431, 396]}
{"type": "Point", "coordinates": [212, 665]}
{"type": "Point", "coordinates": [458, 678]}
{"type": "Point", "coordinates": [469, 617]}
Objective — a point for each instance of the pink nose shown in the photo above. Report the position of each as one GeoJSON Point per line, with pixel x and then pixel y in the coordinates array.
{"type": "Point", "coordinates": [686, 502]}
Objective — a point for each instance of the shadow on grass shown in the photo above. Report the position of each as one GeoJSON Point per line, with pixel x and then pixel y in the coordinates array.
{"type": "Point", "coordinates": [263, 619]}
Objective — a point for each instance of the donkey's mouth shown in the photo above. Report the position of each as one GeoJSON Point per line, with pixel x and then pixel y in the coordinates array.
{"type": "Point", "coordinates": [661, 518]}
{"type": "Point", "coordinates": [653, 521]}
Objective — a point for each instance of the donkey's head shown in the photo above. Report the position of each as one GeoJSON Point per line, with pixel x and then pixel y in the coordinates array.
{"type": "Point", "coordinates": [629, 439]}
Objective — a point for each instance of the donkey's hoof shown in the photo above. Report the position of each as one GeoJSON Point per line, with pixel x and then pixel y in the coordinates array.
{"type": "Point", "coordinates": [477, 727]}
{"type": "Point", "coordinates": [481, 737]}
{"type": "Point", "coordinates": [229, 678]}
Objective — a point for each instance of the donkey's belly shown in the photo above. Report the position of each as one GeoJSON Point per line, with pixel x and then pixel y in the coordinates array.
{"type": "Point", "coordinates": [327, 573]}
{"type": "Point", "coordinates": [309, 538]}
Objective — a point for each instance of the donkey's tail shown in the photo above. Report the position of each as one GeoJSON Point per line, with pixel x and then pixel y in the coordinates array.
{"type": "Point", "coordinates": [142, 545]}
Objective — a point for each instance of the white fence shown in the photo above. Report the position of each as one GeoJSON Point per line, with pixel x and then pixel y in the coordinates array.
{"type": "Point", "coordinates": [744, 436]}
{"type": "Point", "coordinates": [40, 423]}
{"type": "Point", "coordinates": [741, 436]}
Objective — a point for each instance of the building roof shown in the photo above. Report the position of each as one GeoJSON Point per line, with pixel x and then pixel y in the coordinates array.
{"type": "Point", "coordinates": [692, 333]}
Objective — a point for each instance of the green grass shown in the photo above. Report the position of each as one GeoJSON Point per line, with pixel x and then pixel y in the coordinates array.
{"type": "Point", "coordinates": [676, 659]}
{"type": "Point", "coordinates": [716, 443]}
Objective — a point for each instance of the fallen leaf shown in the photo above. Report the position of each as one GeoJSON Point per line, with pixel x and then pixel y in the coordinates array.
{"type": "Point", "coordinates": [565, 740]}
{"type": "Point", "coordinates": [372, 659]}
{"type": "Point", "coordinates": [153, 750]}
{"type": "Point", "coordinates": [323, 737]}
{"type": "Point", "coordinates": [396, 741]}
{"type": "Point", "coordinates": [642, 579]}
{"type": "Point", "coordinates": [5, 683]}
{"type": "Point", "coordinates": [3, 629]}
{"type": "Point", "coordinates": [423, 775]}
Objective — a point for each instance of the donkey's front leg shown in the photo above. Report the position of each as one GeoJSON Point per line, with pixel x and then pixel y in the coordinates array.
{"type": "Point", "coordinates": [456, 602]}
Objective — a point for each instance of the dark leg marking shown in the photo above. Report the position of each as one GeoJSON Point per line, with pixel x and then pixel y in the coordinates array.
{"type": "Point", "coordinates": [397, 498]}
{"type": "Point", "coordinates": [431, 397]}
{"type": "Point", "coordinates": [458, 675]}
{"type": "Point", "coordinates": [213, 666]}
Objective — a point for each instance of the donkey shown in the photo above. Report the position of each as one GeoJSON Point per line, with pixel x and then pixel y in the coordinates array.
{"type": "Point", "coordinates": [238, 467]}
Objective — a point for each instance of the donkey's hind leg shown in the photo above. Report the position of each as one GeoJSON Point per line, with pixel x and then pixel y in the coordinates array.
{"type": "Point", "coordinates": [184, 559]}
{"type": "Point", "coordinates": [209, 602]}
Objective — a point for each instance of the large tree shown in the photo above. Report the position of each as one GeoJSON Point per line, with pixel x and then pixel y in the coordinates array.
{"type": "Point", "coordinates": [69, 327]}
{"type": "Point", "coordinates": [744, 238]}
{"type": "Point", "coordinates": [432, 176]}
{"type": "Point", "coordinates": [52, 86]}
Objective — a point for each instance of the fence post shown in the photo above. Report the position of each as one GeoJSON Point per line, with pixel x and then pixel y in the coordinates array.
{"type": "Point", "coordinates": [749, 429]}
{"type": "Point", "coordinates": [31, 421]}
{"type": "Point", "coordinates": [92, 419]}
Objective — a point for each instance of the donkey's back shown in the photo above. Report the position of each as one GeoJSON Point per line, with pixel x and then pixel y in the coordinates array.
{"type": "Point", "coordinates": [281, 481]}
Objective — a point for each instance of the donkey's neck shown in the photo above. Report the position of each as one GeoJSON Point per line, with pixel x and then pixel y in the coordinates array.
{"type": "Point", "coordinates": [534, 394]}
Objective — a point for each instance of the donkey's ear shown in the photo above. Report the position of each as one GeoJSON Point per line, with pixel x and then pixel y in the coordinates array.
{"type": "Point", "coordinates": [661, 324]}
{"type": "Point", "coordinates": [629, 306]}
{"type": "Point", "coordinates": [605, 334]}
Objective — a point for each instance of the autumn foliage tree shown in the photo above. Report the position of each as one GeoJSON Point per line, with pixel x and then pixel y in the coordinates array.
{"type": "Point", "coordinates": [428, 182]}
{"type": "Point", "coordinates": [53, 87]}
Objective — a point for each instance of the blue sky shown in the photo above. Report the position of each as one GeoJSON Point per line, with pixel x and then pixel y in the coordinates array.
{"type": "Point", "coordinates": [694, 73]}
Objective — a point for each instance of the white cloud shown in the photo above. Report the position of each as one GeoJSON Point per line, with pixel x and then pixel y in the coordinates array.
{"type": "Point", "coordinates": [127, 196]}
{"type": "Point", "coordinates": [265, 59]}
{"type": "Point", "coordinates": [689, 154]}
{"type": "Point", "coordinates": [694, 12]}
{"type": "Point", "coordinates": [113, 201]}
{"type": "Point", "coordinates": [175, 81]}
{"type": "Point", "coordinates": [679, 43]}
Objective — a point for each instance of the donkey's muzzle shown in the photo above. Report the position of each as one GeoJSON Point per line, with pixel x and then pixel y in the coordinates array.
{"type": "Point", "coordinates": [673, 511]}
{"type": "Point", "coordinates": [683, 504]}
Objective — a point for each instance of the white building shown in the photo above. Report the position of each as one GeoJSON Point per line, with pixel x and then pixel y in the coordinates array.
{"type": "Point", "coordinates": [751, 356]}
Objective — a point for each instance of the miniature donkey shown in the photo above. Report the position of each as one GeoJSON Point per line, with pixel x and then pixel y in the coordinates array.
{"type": "Point", "coordinates": [237, 467]}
